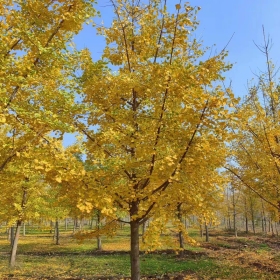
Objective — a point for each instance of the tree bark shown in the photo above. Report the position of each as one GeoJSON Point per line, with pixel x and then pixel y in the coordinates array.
{"type": "Point", "coordinates": [56, 232]}
{"type": "Point", "coordinates": [179, 215]}
{"type": "Point", "coordinates": [252, 215]}
{"type": "Point", "coordinates": [16, 237]}
{"type": "Point", "coordinates": [15, 245]}
{"type": "Point", "coordinates": [201, 230]}
{"type": "Point", "coordinates": [134, 250]}
{"type": "Point", "coordinates": [206, 233]}
{"type": "Point", "coordinates": [98, 224]}
{"type": "Point", "coordinates": [24, 229]}
{"type": "Point", "coordinates": [246, 216]}
{"type": "Point", "coordinates": [12, 235]}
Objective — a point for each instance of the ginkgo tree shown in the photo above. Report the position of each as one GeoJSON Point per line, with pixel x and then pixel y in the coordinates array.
{"type": "Point", "coordinates": [255, 160]}
{"type": "Point", "coordinates": [156, 125]}
{"type": "Point", "coordinates": [37, 89]}
{"type": "Point", "coordinates": [37, 93]}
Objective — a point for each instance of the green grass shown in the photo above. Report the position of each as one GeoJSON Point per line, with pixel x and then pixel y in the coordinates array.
{"type": "Point", "coordinates": [38, 257]}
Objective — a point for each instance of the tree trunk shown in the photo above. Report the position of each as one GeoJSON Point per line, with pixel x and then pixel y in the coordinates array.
{"type": "Point", "coordinates": [12, 235]}
{"type": "Point", "coordinates": [56, 232]}
{"type": "Point", "coordinates": [252, 215]}
{"type": "Point", "coordinates": [246, 216]}
{"type": "Point", "coordinates": [246, 225]}
{"type": "Point", "coordinates": [15, 238]}
{"type": "Point", "coordinates": [179, 215]}
{"type": "Point", "coordinates": [134, 250]}
{"type": "Point", "coordinates": [15, 245]}
{"type": "Point", "coordinates": [272, 230]}
{"type": "Point", "coordinates": [263, 220]}
{"type": "Point", "coordinates": [23, 229]}
{"type": "Point", "coordinates": [206, 233]}
{"type": "Point", "coordinates": [98, 224]}
{"type": "Point", "coordinates": [51, 226]}
{"type": "Point", "coordinates": [234, 212]}
{"type": "Point", "coordinates": [201, 230]}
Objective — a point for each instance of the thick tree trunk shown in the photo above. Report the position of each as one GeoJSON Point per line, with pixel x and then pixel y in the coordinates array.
{"type": "Point", "coordinates": [15, 245]}
{"type": "Point", "coordinates": [134, 250]}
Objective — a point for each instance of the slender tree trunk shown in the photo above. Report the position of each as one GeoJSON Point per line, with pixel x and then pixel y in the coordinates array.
{"type": "Point", "coordinates": [206, 232]}
{"type": "Point", "coordinates": [15, 245]}
{"type": "Point", "coordinates": [180, 217]}
{"type": "Point", "coordinates": [66, 224]}
{"type": "Point", "coordinates": [252, 215]}
{"type": "Point", "coordinates": [23, 229]}
{"type": "Point", "coordinates": [98, 224]}
{"type": "Point", "coordinates": [201, 230]}
{"type": "Point", "coordinates": [246, 225]}
{"type": "Point", "coordinates": [56, 232]}
{"type": "Point", "coordinates": [263, 220]}
{"type": "Point", "coordinates": [234, 212]}
{"type": "Point", "coordinates": [134, 250]}
{"type": "Point", "coordinates": [272, 230]}
{"type": "Point", "coordinates": [51, 225]}
{"type": "Point", "coordinates": [246, 216]}
{"type": "Point", "coordinates": [12, 235]}
{"type": "Point", "coordinates": [16, 237]}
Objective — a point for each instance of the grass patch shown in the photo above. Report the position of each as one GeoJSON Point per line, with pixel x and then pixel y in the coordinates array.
{"type": "Point", "coordinates": [39, 258]}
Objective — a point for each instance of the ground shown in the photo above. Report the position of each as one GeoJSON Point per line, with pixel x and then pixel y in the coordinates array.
{"type": "Point", "coordinates": [224, 257]}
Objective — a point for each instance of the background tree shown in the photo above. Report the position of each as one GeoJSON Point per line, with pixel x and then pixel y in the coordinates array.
{"type": "Point", "coordinates": [37, 94]}
{"type": "Point", "coordinates": [255, 151]}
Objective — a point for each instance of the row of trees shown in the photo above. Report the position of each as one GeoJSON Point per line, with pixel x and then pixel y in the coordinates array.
{"type": "Point", "coordinates": [152, 137]}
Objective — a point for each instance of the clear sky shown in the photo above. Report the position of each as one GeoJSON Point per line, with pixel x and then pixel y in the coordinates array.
{"type": "Point", "coordinates": [219, 20]}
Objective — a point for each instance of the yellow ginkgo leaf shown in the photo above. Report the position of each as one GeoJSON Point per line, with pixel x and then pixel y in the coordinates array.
{"type": "Point", "coordinates": [58, 179]}
{"type": "Point", "coordinates": [178, 6]}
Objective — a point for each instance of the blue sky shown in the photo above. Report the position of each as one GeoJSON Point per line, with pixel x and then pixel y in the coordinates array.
{"type": "Point", "coordinates": [219, 19]}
